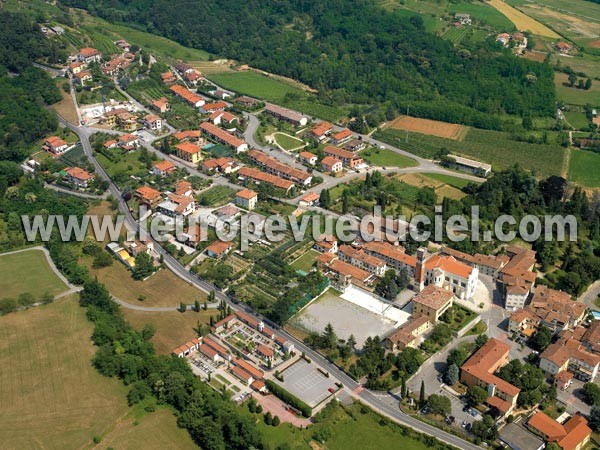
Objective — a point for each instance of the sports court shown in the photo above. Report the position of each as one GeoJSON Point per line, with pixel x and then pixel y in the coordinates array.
{"type": "Point", "coordinates": [305, 382]}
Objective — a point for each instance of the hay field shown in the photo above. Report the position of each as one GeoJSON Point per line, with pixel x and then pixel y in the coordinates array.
{"type": "Point", "coordinates": [522, 21]}
{"type": "Point", "coordinates": [431, 127]}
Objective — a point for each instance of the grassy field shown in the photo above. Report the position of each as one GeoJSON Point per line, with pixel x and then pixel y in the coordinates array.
{"type": "Point", "coordinates": [578, 120]}
{"type": "Point", "coordinates": [306, 261]}
{"type": "Point", "coordinates": [216, 196]}
{"type": "Point", "coordinates": [456, 182]}
{"type": "Point", "coordinates": [356, 427]}
{"type": "Point", "coordinates": [492, 147]}
{"type": "Point", "coordinates": [154, 431]}
{"type": "Point", "coordinates": [384, 158]}
{"type": "Point", "coordinates": [172, 327]}
{"type": "Point", "coordinates": [586, 63]}
{"type": "Point", "coordinates": [576, 96]}
{"type": "Point", "coordinates": [583, 168]}
{"type": "Point", "coordinates": [288, 142]}
{"type": "Point", "coordinates": [575, 7]}
{"type": "Point", "coordinates": [163, 288]}
{"type": "Point", "coordinates": [484, 13]}
{"type": "Point", "coordinates": [522, 21]}
{"type": "Point", "coordinates": [255, 85]}
{"type": "Point", "coordinates": [50, 395]}
{"type": "Point", "coordinates": [28, 272]}
{"type": "Point", "coordinates": [441, 188]}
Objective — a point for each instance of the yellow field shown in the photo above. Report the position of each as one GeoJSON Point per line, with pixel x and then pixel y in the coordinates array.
{"type": "Point", "coordinates": [432, 127]}
{"type": "Point", "coordinates": [522, 21]}
{"type": "Point", "coordinates": [441, 189]}
{"type": "Point", "coordinates": [50, 395]}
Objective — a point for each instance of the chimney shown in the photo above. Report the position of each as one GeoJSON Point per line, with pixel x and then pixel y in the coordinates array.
{"type": "Point", "coordinates": [420, 269]}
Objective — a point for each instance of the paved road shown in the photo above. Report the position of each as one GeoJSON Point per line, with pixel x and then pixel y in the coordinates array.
{"type": "Point", "coordinates": [127, 305]}
{"type": "Point", "coordinates": [590, 295]}
{"type": "Point", "coordinates": [75, 193]}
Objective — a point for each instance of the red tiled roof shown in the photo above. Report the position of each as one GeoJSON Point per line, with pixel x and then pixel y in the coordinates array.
{"type": "Point", "coordinates": [147, 193]}
{"type": "Point", "coordinates": [186, 94]}
{"type": "Point", "coordinates": [449, 264]}
{"type": "Point", "coordinates": [252, 370]}
{"type": "Point", "coordinates": [188, 147]}
{"type": "Point", "coordinates": [342, 134]}
{"type": "Point", "coordinates": [219, 247]}
{"type": "Point", "coordinates": [164, 166]}
{"type": "Point", "coordinates": [547, 426]}
{"type": "Point", "coordinates": [221, 134]}
{"type": "Point", "coordinates": [259, 175]}
{"type": "Point", "coordinates": [433, 297]}
{"type": "Point", "coordinates": [330, 161]}
{"type": "Point", "coordinates": [321, 128]}
{"type": "Point", "coordinates": [78, 173]}
{"type": "Point", "coordinates": [180, 135]}
{"type": "Point", "coordinates": [266, 351]}
{"type": "Point", "coordinates": [246, 194]}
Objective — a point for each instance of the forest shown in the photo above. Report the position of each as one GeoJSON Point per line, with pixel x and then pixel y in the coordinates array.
{"type": "Point", "coordinates": [353, 52]}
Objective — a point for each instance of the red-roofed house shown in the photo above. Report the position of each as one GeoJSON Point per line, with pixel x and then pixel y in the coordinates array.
{"type": "Point", "coordinates": [223, 117]}
{"type": "Point", "coordinates": [224, 137]}
{"type": "Point", "coordinates": [341, 136]}
{"type": "Point", "coordinates": [78, 176]}
{"type": "Point", "coordinates": [218, 249]}
{"type": "Point", "coordinates": [152, 122]}
{"type": "Point", "coordinates": [148, 196]}
{"type": "Point", "coordinates": [574, 434]}
{"type": "Point", "coordinates": [189, 152]}
{"type": "Point", "coordinates": [188, 96]}
{"type": "Point", "coordinates": [163, 168]}
{"type": "Point", "coordinates": [321, 131]}
{"type": "Point", "coordinates": [55, 145]}
{"type": "Point", "coordinates": [308, 158]}
{"type": "Point", "coordinates": [161, 105]}
{"type": "Point", "coordinates": [348, 158]}
{"type": "Point", "coordinates": [87, 55]}
{"type": "Point", "coordinates": [309, 199]}
{"type": "Point", "coordinates": [247, 199]}
{"type": "Point", "coordinates": [209, 108]}
{"type": "Point", "coordinates": [331, 164]}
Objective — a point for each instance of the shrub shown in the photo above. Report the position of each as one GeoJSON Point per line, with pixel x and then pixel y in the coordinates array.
{"type": "Point", "coordinates": [286, 397]}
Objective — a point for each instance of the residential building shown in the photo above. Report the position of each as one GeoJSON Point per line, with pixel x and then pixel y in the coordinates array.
{"type": "Point", "coordinates": [326, 244]}
{"type": "Point", "coordinates": [407, 334]}
{"type": "Point", "coordinates": [184, 187]}
{"type": "Point", "coordinates": [55, 145]}
{"type": "Point", "coordinates": [192, 77]}
{"type": "Point", "coordinates": [258, 176]}
{"type": "Point", "coordinates": [341, 274]}
{"type": "Point", "coordinates": [184, 68]}
{"type": "Point", "coordinates": [78, 176]}
{"type": "Point", "coordinates": [517, 276]}
{"type": "Point", "coordinates": [209, 108]}
{"type": "Point", "coordinates": [223, 118]}
{"type": "Point", "coordinates": [163, 168]}
{"type": "Point", "coordinates": [161, 105]}
{"type": "Point", "coordinates": [432, 302]}
{"type": "Point", "coordinates": [76, 67]}
{"type": "Point", "coordinates": [277, 168]}
{"type": "Point", "coordinates": [188, 96]}
{"type": "Point", "coordinates": [321, 131]}
{"type": "Point", "coordinates": [330, 164]}
{"type": "Point", "coordinates": [148, 196]}
{"type": "Point", "coordinates": [359, 258]}
{"type": "Point", "coordinates": [308, 158]}
{"type": "Point", "coordinates": [129, 142]}
{"type": "Point", "coordinates": [189, 152]}
{"type": "Point", "coordinates": [556, 310]}
{"type": "Point", "coordinates": [479, 370]}
{"type": "Point", "coordinates": [523, 323]}
{"type": "Point", "coordinates": [309, 199]}
{"type": "Point", "coordinates": [570, 355]}
{"type": "Point", "coordinates": [224, 137]}
{"type": "Point", "coordinates": [247, 102]}
{"type": "Point", "coordinates": [153, 122]}
{"type": "Point", "coordinates": [349, 159]}
{"type": "Point", "coordinates": [88, 55]}
{"type": "Point", "coordinates": [487, 265]}
{"type": "Point", "coordinates": [285, 114]}
{"type": "Point", "coordinates": [218, 249]}
{"type": "Point", "coordinates": [591, 337]}
{"type": "Point", "coordinates": [355, 145]}
{"type": "Point", "coordinates": [563, 380]}
{"type": "Point", "coordinates": [187, 135]}
{"type": "Point", "coordinates": [341, 137]}
{"type": "Point", "coordinates": [503, 38]}
{"type": "Point", "coordinates": [111, 143]}
{"type": "Point", "coordinates": [168, 77]}
{"type": "Point", "coordinates": [247, 199]}
{"type": "Point", "coordinates": [463, 19]}
{"type": "Point", "coordinates": [176, 206]}
{"type": "Point", "coordinates": [563, 47]}
{"type": "Point", "coordinates": [224, 165]}
{"type": "Point", "coordinates": [393, 255]}
{"type": "Point", "coordinates": [447, 272]}
{"type": "Point", "coordinates": [83, 77]}
{"type": "Point", "coordinates": [574, 434]}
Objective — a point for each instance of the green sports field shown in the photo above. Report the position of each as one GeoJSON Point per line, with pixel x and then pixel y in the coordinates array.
{"type": "Point", "coordinates": [30, 272]}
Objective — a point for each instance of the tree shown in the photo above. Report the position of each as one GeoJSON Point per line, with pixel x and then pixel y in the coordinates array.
{"type": "Point", "coordinates": [351, 342]}
{"type": "Point", "coordinates": [26, 299]}
{"type": "Point", "coordinates": [46, 298]}
{"type": "Point", "coordinates": [451, 375]}
{"type": "Point", "coordinates": [541, 338]}
{"type": "Point", "coordinates": [476, 395]}
{"type": "Point", "coordinates": [7, 305]}
{"type": "Point", "coordinates": [439, 404]}
{"type": "Point", "coordinates": [422, 394]}
{"type": "Point", "coordinates": [268, 418]}
{"type": "Point", "coordinates": [329, 337]}
{"type": "Point", "coordinates": [591, 394]}
{"type": "Point", "coordinates": [595, 418]}
{"type": "Point", "coordinates": [345, 201]}
{"type": "Point", "coordinates": [196, 306]}
{"type": "Point", "coordinates": [144, 266]}
{"type": "Point", "coordinates": [276, 421]}
{"type": "Point", "coordinates": [527, 122]}
{"type": "Point", "coordinates": [572, 79]}
{"type": "Point", "coordinates": [409, 360]}
{"type": "Point", "coordinates": [485, 429]}
{"type": "Point", "coordinates": [457, 357]}
{"type": "Point", "coordinates": [403, 390]}
{"type": "Point", "coordinates": [481, 340]}
{"type": "Point", "coordinates": [588, 84]}
{"type": "Point", "coordinates": [102, 259]}
{"type": "Point", "coordinates": [324, 199]}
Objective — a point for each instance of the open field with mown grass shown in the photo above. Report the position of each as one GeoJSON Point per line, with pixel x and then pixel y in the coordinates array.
{"type": "Point", "coordinates": [583, 168]}
{"type": "Point", "coordinates": [573, 95]}
{"type": "Point", "coordinates": [162, 289]}
{"type": "Point", "coordinates": [28, 272]}
{"type": "Point", "coordinates": [522, 21]}
{"type": "Point", "coordinates": [575, 7]}
{"type": "Point", "coordinates": [306, 261]}
{"type": "Point", "coordinates": [586, 63]}
{"type": "Point", "coordinates": [456, 182]}
{"type": "Point", "coordinates": [426, 126]}
{"type": "Point", "coordinates": [50, 395]}
{"type": "Point", "coordinates": [492, 147]}
{"type": "Point", "coordinates": [577, 120]}
{"type": "Point", "coordinates": [173, 328]}
{"type": "Point", "coordinates": [216, 196]}
{"type": "Point", "coordinates": [288, 142]}
{"type": "Point", "coordinates": [385, 157]}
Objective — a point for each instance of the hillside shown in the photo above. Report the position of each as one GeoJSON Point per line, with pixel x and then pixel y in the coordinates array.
{"type": "Point", "coordinates": [352, 52]}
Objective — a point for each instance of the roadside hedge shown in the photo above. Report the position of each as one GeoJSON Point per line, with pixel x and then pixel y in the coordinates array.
{"type": "Point", "coordinates": [285, 396]}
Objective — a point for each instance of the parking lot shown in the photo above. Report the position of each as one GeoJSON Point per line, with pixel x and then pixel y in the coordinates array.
{"type": "Point", "coordinates": [204, 365]}
{"type": "Point", "coordinates": [308, 384]}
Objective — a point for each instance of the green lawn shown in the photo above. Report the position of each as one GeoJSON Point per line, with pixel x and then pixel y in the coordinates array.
{"type": "Point", "coordinates": [484, 14]}
{"type": "Point", "coordinates": [493, 147]}
{"type": "Point", "coordinates": [456, 182]}
{"type": "Point", "coordinates": [288, 142]}
{"type": "Point", "coordinates": [28, 272]}
{"type": "Point", "coordinates": [255, 85]}
{"type": "Point", "coordinates": [216, 196]}
{"type": "Point", "coordinates": [575, 96]}
{"type": "Point", "coordinates": [384, 158]}
{"type": "Point", "coordinates": [583, 168]}
{"type": "Point", "coordinates": [578, 120]}
{"type": "Point", "coordinates": [306, 261]}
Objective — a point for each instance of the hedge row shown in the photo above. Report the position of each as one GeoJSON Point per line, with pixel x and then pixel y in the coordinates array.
{"type": "Point", "coordinates": [285, 396]}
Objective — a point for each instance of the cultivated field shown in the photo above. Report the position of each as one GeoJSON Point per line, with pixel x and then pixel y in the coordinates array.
{"type": "Point", "coordinates": [28, 272]}
{"type": "Point", "coordinates": [522, 21]}
{"type": "Point", "coordinates": [442, 189]}
{"type": "Point", "coordinates": [431, 127]}
{"type": "Point", "coordinates": [255, 85]}
{"type": "Point", "coordinates": [386, 158]}
{"type": "Point", "coordinates": [583, 168]}
{"type": "Point", "coordinates": [172, 327]}
{"type": "Point", "coordinates": [163, 288]}
{"type": "Point", "coordinates": [50, 395]}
